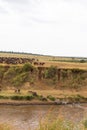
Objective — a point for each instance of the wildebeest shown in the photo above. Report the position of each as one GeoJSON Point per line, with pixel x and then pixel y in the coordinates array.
{"type": "Point", "coordinates": [17, 90]}
{"type": "Point", "coordinates": [39, 63]}
{"type": "Point", "coordinates": [35, 63]}
{"type": "Point", "coordinates": [15, 60]}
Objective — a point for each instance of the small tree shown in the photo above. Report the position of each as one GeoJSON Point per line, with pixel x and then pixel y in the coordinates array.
{"type": "Point", "coordinates": [28, 67]}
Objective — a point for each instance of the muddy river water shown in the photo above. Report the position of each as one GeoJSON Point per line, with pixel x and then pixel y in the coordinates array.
{"type": "Point", "coordinates": [28, 117]}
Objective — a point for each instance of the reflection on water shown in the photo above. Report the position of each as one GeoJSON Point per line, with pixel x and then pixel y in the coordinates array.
{"type": "Point", "coordinates": [28, 117]}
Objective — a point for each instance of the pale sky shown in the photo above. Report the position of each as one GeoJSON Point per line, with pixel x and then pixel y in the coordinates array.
{"type": "Point", "coordinates": [49, 27]}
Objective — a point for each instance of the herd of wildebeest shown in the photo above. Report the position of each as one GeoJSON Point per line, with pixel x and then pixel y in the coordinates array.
{"type": "Point", "coordinates": [16, 60]}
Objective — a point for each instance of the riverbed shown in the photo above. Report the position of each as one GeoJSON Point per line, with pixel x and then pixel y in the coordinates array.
{"type": "Point", "coordinates": [28, 117]}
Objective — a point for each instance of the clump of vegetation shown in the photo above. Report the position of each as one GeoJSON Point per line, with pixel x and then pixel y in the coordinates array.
{"type": "Point", "coordinates": [51, 72]}
{"type": "Point", "coordinates": [29, 97]}
{"type": "Point", "coordinates": [4, 97]}
{"type": "Point", "coordinates": [18, 97]}
{"type": "Point", "coordinates": [27, 67]}
{"type": "Point", "coordinates": [42, 98]}
{"type": "Point", "coordinates": [18, 80]}
{"type": "Point", "coordinates": [51, 98]}
{"type": "Point", "coordinates": [73, 79]}
{"type": "Point", "coordinates": [83, 61]}
{"type": "Point", "coordinates": [11, 72]}
{"type": "Point", "coordinates": [64, 74]}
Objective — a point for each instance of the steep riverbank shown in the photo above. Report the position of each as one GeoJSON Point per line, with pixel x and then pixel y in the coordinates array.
{"type": "Point", "coordinates": [31, 85]}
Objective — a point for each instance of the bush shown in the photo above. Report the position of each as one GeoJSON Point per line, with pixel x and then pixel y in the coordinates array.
{"type": "Point", "coordinates": [16, 97]}
{"type": "Point", "coordinates": [29, 97]}
{"type": "Point", "coordinates": [27, 67]}
{"type": "Point", "coordinates": [51, 72]}
{"type": "Point", "coordinates": [64, 74]}
{"type": "Point", "coordinates": [83, 61]}
{"type": "Point", "coordinates": [51, 98]}
{"type": "Point", "coordinates": [11, 72]}
{"type": "Point", "coordinates": [3, 97]}
{"type": "Point", "coordinates": [40, 97]}
{"type": "Point", "coordinates": [20, 79]}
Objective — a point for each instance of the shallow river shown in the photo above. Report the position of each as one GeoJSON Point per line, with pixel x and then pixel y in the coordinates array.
{"type": "Point", "coordinates": [28, 117]}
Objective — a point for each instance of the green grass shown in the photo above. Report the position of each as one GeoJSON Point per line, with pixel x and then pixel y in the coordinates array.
{"type": "Point", "coordinates": [18, 97]}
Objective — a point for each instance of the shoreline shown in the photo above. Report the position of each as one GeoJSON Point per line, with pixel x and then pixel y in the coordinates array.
{"type": "Point", "coordinates": [20, 103]}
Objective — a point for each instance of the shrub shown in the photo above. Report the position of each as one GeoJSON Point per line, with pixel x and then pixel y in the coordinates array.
{"type": "Point", "coordinates": [16, 97]}
{"type": "Point", "coordinates": [51, 98]}
{"type": "Point", "coordinates": [3, 97]}
{"type": "Point", "coordinates": [83, 61]}
{"type": "Point", "coordinates": [20, 79]}
{"type": "Point", "coordinates": [10, 73]}
{"type": "Point", "coordinates": [40, 97]}
{"type": "Point", "coordinates": [64, 74]}
{"type": "Point", "coordinates": [27, 67]}
{"type": "Point", "coordinates": [29, 97]}
{"type": "Point", "coordinates": [51, 72]}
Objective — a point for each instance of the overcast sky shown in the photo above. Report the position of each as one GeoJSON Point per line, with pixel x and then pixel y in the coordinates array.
{"type": "Point", "coordinates": [53, 27]}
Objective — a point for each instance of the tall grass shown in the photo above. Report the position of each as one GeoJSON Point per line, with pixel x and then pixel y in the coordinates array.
{"type": "Point", "coordinates": [57, 124]}
{"type": "Point", "coordinates": [61, 124]}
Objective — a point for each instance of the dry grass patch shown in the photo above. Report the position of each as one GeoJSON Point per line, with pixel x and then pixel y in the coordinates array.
{"type": "Point", "coordinates": [5, 127]}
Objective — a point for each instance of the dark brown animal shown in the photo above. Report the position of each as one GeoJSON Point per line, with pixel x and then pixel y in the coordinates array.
{"type": "Point", "coordinates": [17, 91]}
{"type": "Point", "coordinates": [35, 63]}
{"type": "Point", "coordinates": [41, 63]}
